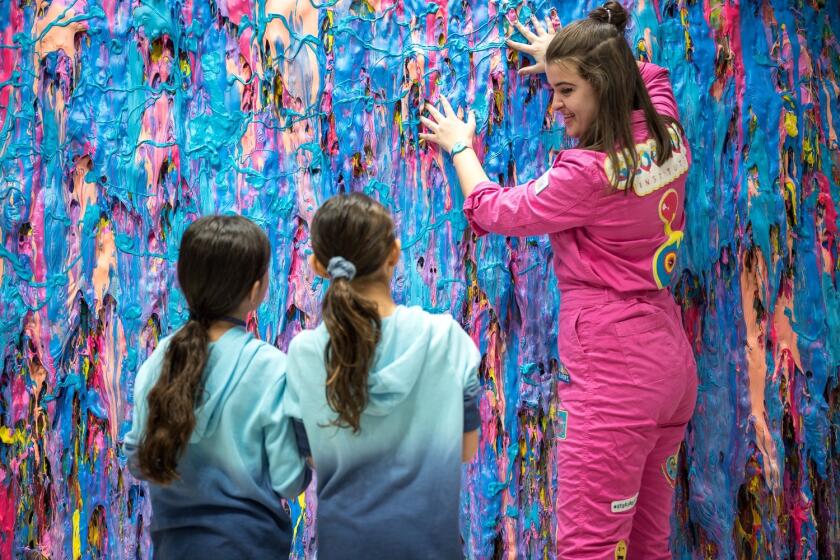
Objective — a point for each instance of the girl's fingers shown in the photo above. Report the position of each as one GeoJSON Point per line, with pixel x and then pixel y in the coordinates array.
{"type": "Point", "coordinates": [524, 30]}
{"type": "Point", "coordinates": [447, 108]}
{"type": "Point", "coordinates": [429, 123]}
{"type": "Point", "coordinates": [434, 112]}
{"type": "Point", "coordinates": [549, 24]}
{"type": "Point", "coordinates": [521, 47]}
{"type": "Point", "coordinates": [538, 26]}
{"type": "Point", "coordinates": [533, 69]}
{"type": "Point", "coordinates": [427, 137]}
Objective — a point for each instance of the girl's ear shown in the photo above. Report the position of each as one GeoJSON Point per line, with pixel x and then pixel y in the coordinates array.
{"type": "Point", "coordinates": [258, 291]}
{"type": "Point", "coordinates": [394, 255]}
{"type": "Point", "coordinates": [316, 266]}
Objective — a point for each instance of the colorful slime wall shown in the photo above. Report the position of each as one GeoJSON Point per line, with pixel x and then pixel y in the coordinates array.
{"type": "Point", "coordinates": [124, 121]}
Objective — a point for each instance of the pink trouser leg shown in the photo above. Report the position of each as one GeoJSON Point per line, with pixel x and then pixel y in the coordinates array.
{"type": "Point", "coordinates": [631, 392]}
{"type": "Point", "coordinates": [651, 522]}
{"type": "Point", "coordinates": [598, 485]}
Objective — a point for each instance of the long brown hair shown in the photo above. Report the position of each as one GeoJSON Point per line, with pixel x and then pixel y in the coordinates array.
{"type": "Point", "coordinates": [360, 230]}
{"type": "Point", "coordinates": [220, 259]}
{"type": "Point", "coordinates": [597, 47]}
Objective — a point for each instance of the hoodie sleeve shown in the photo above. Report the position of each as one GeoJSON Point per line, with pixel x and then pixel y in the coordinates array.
{"type": "Point", "coordinates": [564, 197]}
{"type": "Point", "coordinates": [139, 413]}
{"type": "Point", "coordinates": [291, 401]}
{"type": "Point", "coordinates": [289, 474]}
{"type": "Point", "coordinates": [132, 438]}
{"type": "Point", "coordinates": [468, 359]}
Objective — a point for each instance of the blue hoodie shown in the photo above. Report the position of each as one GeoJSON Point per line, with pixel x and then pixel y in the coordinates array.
{"type": "Point", "coordinates": [240, 459]}
{"type": "Point", "coordinates": [391, 490]}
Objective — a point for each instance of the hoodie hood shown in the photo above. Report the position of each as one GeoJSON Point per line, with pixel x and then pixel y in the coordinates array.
{"type": "Point", "coordinates": [390, 383]}
{"type": "Point", "coordinates": [226, 365]}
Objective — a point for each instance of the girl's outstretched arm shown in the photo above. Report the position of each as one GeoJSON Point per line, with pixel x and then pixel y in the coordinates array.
{"type": "Point", "coordinates": [562, 198]}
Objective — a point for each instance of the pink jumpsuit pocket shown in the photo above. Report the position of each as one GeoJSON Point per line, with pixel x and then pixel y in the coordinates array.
{"type": "Point", "coordinates": [569, 342]}
{"type": "Point", "coordinates": [654, 348]}
{"type": "Point", "coordinates": [656, 321]}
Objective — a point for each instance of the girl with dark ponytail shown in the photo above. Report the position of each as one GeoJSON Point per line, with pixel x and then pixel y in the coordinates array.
{"type": "Point", "coordinates": [614, 210]}
{"type": "Point", "coordinates": [208, 431]}
{"type": "Point", "coordinates": [383, 398]}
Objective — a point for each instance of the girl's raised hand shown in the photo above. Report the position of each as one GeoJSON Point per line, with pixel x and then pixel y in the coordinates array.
{"type": "Point", "coordinates": [537, 44]}
{"type": "Point", "coordinates": [446, 129]}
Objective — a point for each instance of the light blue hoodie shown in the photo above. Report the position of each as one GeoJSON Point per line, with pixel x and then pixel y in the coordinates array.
{"type": "Point", "coordinates": [240, 459]}
{"type": "Point", "coordinates": [391, 490]}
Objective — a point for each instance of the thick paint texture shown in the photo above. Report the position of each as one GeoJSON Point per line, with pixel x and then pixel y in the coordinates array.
{"type": "Point", "coordinates": [121, 122]}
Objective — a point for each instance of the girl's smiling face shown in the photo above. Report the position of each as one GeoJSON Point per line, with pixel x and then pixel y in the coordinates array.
{"type": "Point", "coordinates": [574, 97]}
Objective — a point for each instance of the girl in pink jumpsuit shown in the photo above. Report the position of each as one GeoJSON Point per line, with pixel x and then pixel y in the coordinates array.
{"type": "Point", "coordinates": [614, 211]}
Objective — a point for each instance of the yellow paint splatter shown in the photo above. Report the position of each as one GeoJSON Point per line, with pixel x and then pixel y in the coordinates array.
{"type": "Point", "coordinates": [398, 120]}
{"type": "Point", "coordinates": [10, 437]}
{"type": "Point", "coordinates": [301, 500]}
{"type": "Point", "coordinates": [808, 150]}
{"type": "Point", "coordinates": [77, 539]}
{"type": "Point", "coordinates": [6, 435]}
{"type": "Point", "coordinates": [790, 125]}
{"type": "Point", "coordinates": [790, 187]}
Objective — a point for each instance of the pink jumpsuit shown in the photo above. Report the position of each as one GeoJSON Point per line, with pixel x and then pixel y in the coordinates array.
{"type": "Point", "coordinates": [632, 381]}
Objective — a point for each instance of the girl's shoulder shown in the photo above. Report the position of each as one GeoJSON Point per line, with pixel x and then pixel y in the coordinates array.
{"type": "Point", "coordinates": [266, 371]}
{"type": "Point", "coordinates": [581, 172]}
{"type": "Point", "coordinates": [440, 326]}
{"type": "Point", "coordinates": [241, 354]}
{"type": "Point", "coordinates": [587, 166]}
{"type": "Point", "coordinates": [266, 354]}
{"type": "Point", "coordinates": [416, 316]}
{"type": "Point", "coordinates": [440, 335]}
{"type": "Point", "coordinates": [580, 157]}
{"type": "Point", "coordinates": [309, 341]}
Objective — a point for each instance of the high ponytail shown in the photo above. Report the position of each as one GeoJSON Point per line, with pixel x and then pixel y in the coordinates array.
{"type": "Point", "coordinates": [352, 236]}
{"type": "Point", "coordinates": [211, 247]}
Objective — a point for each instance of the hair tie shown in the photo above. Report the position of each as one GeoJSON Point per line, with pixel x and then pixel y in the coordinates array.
{"type": "Point", "coordinates": [609, 15]}
{"type": "Point", "coordinates": [339, 267]}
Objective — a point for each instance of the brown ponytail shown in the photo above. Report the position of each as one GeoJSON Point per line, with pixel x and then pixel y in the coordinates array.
{"type": "Point", "coordinates": [171, 416]}
{"type": "Point", "coordinates": [210, 249]}
{"type": "Point", "coordinates": [361, 232]}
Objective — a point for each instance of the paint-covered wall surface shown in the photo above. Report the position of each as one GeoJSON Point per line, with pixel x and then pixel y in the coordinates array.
{"type": "Point", "coordinates": [123, 121]}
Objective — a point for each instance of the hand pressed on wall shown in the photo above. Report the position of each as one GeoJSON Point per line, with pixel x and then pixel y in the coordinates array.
{"type": "Point", "coordinates": [447, 129]}
{"type": "Point", "coordinates": [538, 41]}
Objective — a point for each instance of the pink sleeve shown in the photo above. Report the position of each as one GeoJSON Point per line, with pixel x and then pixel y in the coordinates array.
{"type": "Point", "coordinates": [659, 88]}
{"type": "Point", "coordinates": [563, 197]}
